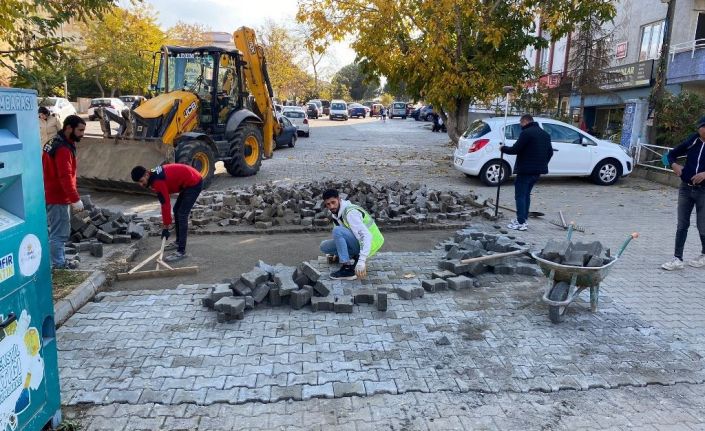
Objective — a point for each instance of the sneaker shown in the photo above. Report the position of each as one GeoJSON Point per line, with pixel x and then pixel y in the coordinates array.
{"type": "Point", "coordinates": [515, 225]}
{"type": "Point", "coordinates": [697, 263]}
{"type": "Point", "coordinates": [673, 264]}
{"type": "Point", "coordinates": [346, 272]}
{"type": "Point", "coordinates": [171, 246]}
{"type": "Point", "coordinates": [175, 256]}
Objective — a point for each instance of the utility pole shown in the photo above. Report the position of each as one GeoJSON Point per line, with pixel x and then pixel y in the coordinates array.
{"type": "Point", "coordinates": [659, 87]}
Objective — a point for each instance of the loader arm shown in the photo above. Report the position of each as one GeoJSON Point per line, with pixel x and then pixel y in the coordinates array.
{"type": "Point", "coordinates": [258, 84]}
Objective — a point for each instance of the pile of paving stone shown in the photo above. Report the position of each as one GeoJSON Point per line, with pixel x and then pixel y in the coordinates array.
{"type": "Point", "coordinates": [470, 243]}
{"type": "Point", "coordinates": [93, 227]}
{"type": "Point", "coordinates": [280, 285]}
{"type": "Point", "coordinates": [586, 254]}
{"type": "Point", "coordinates": [269, 205]}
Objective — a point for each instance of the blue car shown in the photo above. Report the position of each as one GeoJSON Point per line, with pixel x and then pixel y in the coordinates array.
{"type": "Point", "coordinates": [357, 111]}
{"type": "Point", "coordinates": [287, 135]}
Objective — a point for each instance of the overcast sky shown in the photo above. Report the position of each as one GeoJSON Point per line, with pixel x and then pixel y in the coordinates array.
{"type": "Point", "coordinates": [228, 15]}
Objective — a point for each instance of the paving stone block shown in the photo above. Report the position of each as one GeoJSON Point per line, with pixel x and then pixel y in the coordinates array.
{"type": "Point", "coordinates": [281, 393]}
{"type": "Point", "coordinates": [312, 273]}
{"type": "Point", "coordinates": [382, 301]}
{"type": "Point", "coordinates": [442, 274]}
{"type": "Point", "coordinates": [121, 239]}
{"type": "Point", "coordinates": [504, 269]}
{"type": "Point", "coordinates": [476, 269]}
{"type": "Point", "coordinates": [408, 292]}
{"type": "Point", "coordinates": [263, 224]}
{"type": "Point", "coordinates": [260, 292]}
{"type": "Point", "coordinates": [317, 391]}
{"type": "Point", "coordinates": [300, 278]}
{"type": "Point", "coordinates": [284, 278]}
{"type": "Point", "coordinates": [230, 305]}
{"type": "Point", "coordinates": [322, 303]}
{"type": "Point", "coordinates": [135, 230]}
{"type": "Point", "coordinates": [343, 304]}
{"type": "Point", "coordinates": [249, 303]}
{"type": "Point", "coordinates": [104, 237]}
{"type": "Point", "coordinates": [555, 250]}
{"type": "Point", "coordinates": [364, 296]}
{"type": "Point", "coordinates": [255, 277]}
{"type": "Point", "coordinates": [459, 282]}
{"type": "Point", "coordinates": [274, 298]}
{"type": "Point", "coordinates": [240, 289]}
{"type": "Point", "coordinates": [90, 231]}
{"type": "Point", "coordinates": [374, 388]}
{"type": "Point", "coordinates": [96, 250]}
{"type": "Point", "coordinates": [219, 291]}
{"type": "Point", "coordinates": [322, 287]}
{"type": "Point", "coordinates": [299, 298]}
{"type": "Point", "coordinates": [348, 389]}
{"type": "Point", "coordinates": [434, 284]}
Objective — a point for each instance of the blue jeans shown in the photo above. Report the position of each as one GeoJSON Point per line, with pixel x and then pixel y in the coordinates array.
{"type": "Point", "coordinates": [690, 197]}
{"type": "Point", "coordinates": [182, 209]}
{"type": "Point", "coordinates": [58, 217]}
{"type": "Point", "coordinates": [344, 244]}
{"type": "Point", "coordinates": [522, 195]}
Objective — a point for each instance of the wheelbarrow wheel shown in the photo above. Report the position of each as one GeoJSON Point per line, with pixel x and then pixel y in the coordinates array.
{"type": "Point", "coordinates": [559, 292]}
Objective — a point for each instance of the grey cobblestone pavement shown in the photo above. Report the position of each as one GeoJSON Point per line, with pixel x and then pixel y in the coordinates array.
{"type": "Point", "coordinates": [159, 360]}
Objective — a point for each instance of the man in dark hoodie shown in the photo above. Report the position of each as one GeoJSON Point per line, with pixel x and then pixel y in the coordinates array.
{"type": "Point", "coordinates": [533, 150]}
{"type": "Point", "coordinates": [691, 194]}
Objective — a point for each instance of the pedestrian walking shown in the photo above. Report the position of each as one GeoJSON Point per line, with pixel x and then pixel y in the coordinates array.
{"type": "Point", "coordinates": [356, 237]}
{"type": "Point", "coordinates": [165, 180]}
{"type": "Point", "coordinates": [691, 194]}
{"type": "Point", "coordinates": [533, 151]}
{"type": "Point", "coordinates": [383, 113]}
{"type": "Point", "coordinates": [60, 191]}
{"type": "Point", "coordinates": [48, 125]}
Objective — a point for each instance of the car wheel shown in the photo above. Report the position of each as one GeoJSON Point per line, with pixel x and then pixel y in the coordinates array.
{"type": "Point", "coordinates": [403, 117]}
{"type": "Point", "coordinates": [307, 134]}
{"type": "Point", "coordinates": [489, 174]}
{"type": "Point", "coordinates": [292, 143]}
{"type": "Point", "coordinates": [607, 172]}
{"type": "Point", "coordinates": [429, 117]}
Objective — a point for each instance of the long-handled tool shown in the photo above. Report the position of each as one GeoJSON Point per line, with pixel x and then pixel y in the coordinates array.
{"type": "Point", "coordinates": [495, 256]}
{"type": "Point", "coordinates": [507, 90]}
{"type": "Point", "coordinates": [532, 214]}
{"type": "Point", "coordinates": [162, 269]}
{"type": "Point", "coordinates": [561, 222]}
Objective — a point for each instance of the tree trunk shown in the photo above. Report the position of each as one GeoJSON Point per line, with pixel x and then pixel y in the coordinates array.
{"type": "Point", "coordinates": [456, 119]}
{"type": "Point", "coordinates": [100, 87]}
{"type": "Point", "coordinates": [581, 116]}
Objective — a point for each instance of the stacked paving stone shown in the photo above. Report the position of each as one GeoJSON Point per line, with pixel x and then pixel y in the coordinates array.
{"type": "Point", "coordinates": [280, 285]}
{"type": "Point", "coordinates": [268, 205]}
{"type": "Point", "coordinates": [586, 254]}
{"type": "Point", "coordinates": [93, 227]}
{"type": "Point", "coordinates": [473, 242]}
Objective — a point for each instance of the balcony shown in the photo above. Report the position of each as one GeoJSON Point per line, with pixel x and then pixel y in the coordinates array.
{"type": "Point", "coordinates": [686, 62]}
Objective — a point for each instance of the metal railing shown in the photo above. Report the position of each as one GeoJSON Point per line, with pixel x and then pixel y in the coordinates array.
{"type": "Point", "coordinates": [691, 46]}
{"type": "Point", "coordinates": [651, 156]}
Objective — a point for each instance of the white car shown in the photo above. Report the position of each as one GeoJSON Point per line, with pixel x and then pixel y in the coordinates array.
{"type": "Point", "coordinates": [112, 104]}
{"type": "Point", "coordinates": [575, 153]}
{"type": "Point", "coordinates": [298, 118]}
{"type": "Point", "coordinates": [338, 109]}
{"type": "Point", "coordinates": [60, 107]}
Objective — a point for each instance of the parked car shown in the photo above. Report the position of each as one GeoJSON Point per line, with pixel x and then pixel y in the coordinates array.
{"type": "Point", "coordinates": [398, 109]}
{"type": "Point", "coordinates": [132, 101]}
{"type": "Point", "coordinates": [425, 113]}
{"type": "Point", "coordinates": [339, 109]}
{"type": "Point", "coordinates": [298, 117]}
{"type": "Point", "coordinates": [312, 111]}
{"type": "Point", "coordinates": [287, 135]}
{"type": "Point", "coordinates": [376, 109]}
{"type": "Point", "coordinates": [60, 107]}
{"type": "Point", "coordinates": [319, 105]}
{"type": "Point", "coordinates": [356, 110]}
{"type": "Point", "coordinates": [113, 104]}
{"type": "Point", "coordinates": [575, 152]}
{"type": "Point", "coordinates": [326, 107]}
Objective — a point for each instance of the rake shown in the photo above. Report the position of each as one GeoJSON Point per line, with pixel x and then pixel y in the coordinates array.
{"type": "Point", "coordinates": [562, 223]}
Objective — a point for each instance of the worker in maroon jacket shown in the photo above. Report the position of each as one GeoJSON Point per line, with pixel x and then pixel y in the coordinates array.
{"type": "Point", "coordinates": [165, 180]}
{"type": "Point", "coordinates": [60, 192]}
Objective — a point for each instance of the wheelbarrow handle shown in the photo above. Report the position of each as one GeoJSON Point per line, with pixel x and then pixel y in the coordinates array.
{"type": "Point", "coordinates": [629, 239]}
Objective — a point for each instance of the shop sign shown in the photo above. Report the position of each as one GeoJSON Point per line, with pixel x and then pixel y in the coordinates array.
{"type": "Point", "coordinates": [621, 50]}
{"type": "Point", "coordinates": [629, 76]}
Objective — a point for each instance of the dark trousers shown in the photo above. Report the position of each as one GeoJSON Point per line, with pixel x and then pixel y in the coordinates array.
{"type": "Point", "coordinates": [182, 209]}
{"type": "Point", "coordinates": [690, 197]}
{"type": "Point", "coordinates": [523, 184]}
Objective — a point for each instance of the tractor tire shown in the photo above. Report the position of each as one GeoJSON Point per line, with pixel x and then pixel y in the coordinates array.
{"type": "Point", "coordinates": [246, 150]}
{"type": "Point", "coordinates": [200, 156]}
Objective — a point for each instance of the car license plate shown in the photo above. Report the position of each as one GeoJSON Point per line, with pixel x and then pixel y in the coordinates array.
{"type": "Point", "coordinates": [459, 161]}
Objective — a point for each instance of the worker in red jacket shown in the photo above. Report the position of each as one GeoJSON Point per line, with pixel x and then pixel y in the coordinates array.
{"type": "Point", "coordinates": [165, 180]}
{"type": "Point", "coordinates": [60, 192]}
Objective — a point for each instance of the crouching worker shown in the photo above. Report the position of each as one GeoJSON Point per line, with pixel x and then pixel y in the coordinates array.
{"type": "Point", "coordinates": [356, 237]}
{"type": "Point", "coordinates": [165, 180]}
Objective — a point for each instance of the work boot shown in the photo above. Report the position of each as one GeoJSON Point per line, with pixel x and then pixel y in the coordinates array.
{"type": "Point", "coordinates": [673, 264]}
{"type": "Point", "coordinates": [346, 272]}
{"type": "Point", "coordinates": [175, 257]}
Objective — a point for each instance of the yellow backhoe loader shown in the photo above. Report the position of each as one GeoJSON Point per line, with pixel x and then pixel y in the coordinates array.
{"type": "Point", "coordinates": [212, 104]}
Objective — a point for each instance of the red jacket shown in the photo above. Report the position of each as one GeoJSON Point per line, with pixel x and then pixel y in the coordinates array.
{"type": "Point", "coordinates": [171, 178]}
{"type": "Point", "coordinates": [59, 165]}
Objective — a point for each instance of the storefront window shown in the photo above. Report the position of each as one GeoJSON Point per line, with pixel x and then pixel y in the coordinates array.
{"type": "Point", "coordinates": [651, 39]}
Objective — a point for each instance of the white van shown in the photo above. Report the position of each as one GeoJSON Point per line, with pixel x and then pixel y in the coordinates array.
{"type": "Point", "coordinates": [338, 109]}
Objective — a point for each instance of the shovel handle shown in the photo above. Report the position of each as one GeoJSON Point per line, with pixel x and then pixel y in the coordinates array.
{"type": "Point", "coordinates": [629, 239]}
{"type": "Point", "coordinates": [494, 256]}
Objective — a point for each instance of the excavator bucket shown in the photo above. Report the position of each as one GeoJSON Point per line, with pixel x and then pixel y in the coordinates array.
{"type": "Point", "coordinates": [106, 163]}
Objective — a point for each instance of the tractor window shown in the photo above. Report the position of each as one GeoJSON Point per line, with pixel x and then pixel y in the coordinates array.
{"type": "Point", "coordinates": [190, 71]}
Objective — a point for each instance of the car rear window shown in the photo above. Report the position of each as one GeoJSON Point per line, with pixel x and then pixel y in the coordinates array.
{"type": "Point", "coordinates": [337, 106]}
{"type": "Point", "coordinates": [294, 114]}
{"type": "Point", "coordinates": [477, 129]}
{"type": "Point", "coordinates": [400, 105]}
{"type": "Point", "coordinates": [100, 102]}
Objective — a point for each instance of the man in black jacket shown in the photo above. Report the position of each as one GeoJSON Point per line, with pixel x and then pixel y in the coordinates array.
{"type": "Point", "coordinates": [690, 194]}
{"type": "Point", "coordinates": [533, 150]}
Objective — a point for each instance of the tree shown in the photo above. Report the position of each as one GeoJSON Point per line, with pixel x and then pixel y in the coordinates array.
{"type": "Point", "coordinates": [285, 71]}
{"type": "Point", "coordinates": [678, 117]}
{"type": "Point", "coordinates": [361, 85]}
{"type": "Point", "coordinates": [450, 52]}
{"type": "Point", "coordinates": [31, 40]}
{"type": "Point", "coordinates": [339, 90]}
{"type": "Point", "coordinates": [119, 47]}
{"type": "Point", "coordinates": [185, 34]}
{"type": "Point", "coordinates": [316, 51]}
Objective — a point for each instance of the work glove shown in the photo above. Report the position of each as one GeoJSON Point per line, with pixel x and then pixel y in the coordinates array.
{"type": "Point", "coordinates": [165, 233]}
{"type": "Point", "coordinates": [77, 206]}
{"type": "Point", "coordinates": [361, 269]}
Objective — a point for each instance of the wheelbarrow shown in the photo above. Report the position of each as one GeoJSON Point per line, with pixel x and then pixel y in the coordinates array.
{"type": "Point", "coordinates": [566, 282]}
